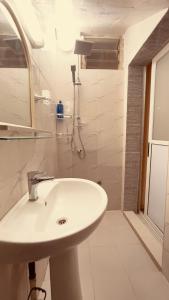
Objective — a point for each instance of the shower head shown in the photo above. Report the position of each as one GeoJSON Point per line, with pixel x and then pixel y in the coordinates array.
{"type": "Point", "coordinates": [83, 47]}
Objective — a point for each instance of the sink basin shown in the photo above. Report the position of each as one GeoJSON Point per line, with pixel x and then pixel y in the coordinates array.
{"type": "Point", "coordinates": [67, 211]}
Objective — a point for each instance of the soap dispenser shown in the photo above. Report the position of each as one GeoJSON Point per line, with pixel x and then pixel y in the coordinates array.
{"type": "Point", "coordinates": [60, 110]}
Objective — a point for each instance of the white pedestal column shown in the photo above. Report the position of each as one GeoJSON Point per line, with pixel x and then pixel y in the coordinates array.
{"type": "Point", "coordinates": [64, 274]}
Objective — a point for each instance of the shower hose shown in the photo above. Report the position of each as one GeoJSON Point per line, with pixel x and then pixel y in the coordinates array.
{"type": "Point", "coordinates": [82, 152]}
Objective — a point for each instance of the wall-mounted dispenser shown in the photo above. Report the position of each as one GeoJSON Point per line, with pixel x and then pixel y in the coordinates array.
{"type": "Point", "coordinates": [60, 110]}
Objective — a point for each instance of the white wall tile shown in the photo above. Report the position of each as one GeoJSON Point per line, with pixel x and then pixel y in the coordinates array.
{"type": "Point", "coordinates": [19, 157]}
{"type": "Point", "coordinates": [101, 109]}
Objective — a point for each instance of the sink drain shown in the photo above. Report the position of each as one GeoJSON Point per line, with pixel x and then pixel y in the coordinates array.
{"type": "Point", "coordinates": [62, 221]}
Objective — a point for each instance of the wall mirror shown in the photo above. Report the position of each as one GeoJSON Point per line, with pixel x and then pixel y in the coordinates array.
{"type": "Point", "coordinates": [15, 92]}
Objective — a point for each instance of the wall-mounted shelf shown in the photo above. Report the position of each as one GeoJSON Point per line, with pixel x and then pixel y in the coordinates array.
{"type": "Point", "coordinates": [62, 117]}
{"type": "Point", "coordinates": [10, 138]}
{"type": "Point", "coordinates": [16, 132]}
{"type": "Point", "coordinates": [62, 135]}
{"type": "Point", "coordinates": [41, 98]}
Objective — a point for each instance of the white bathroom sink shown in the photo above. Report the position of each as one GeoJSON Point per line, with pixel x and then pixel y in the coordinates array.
{"type": "Point", "coordinates": [34, 230]}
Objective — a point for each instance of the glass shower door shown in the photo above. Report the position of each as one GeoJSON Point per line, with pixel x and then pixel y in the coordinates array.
{"type": "Point", "coordinates": [158, 140]}
{"type": "Point", "coordinates": [160, 130]}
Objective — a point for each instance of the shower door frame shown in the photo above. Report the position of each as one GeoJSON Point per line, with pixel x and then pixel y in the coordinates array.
{"type": "Point", "coordinates": [151, 140]}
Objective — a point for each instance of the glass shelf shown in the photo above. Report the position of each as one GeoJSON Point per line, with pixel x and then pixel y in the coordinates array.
{"type": "Point", "coordinates": [62, 135]}
{"type": "Point", "coordinates": [16, 132]}
{"type": "Point", "coordinates": [62, 117]}
{"type": "Point", "coordinates": [10, 138]}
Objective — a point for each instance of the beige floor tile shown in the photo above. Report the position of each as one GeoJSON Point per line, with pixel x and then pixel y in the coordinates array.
{"type": "Point", "coordinates": [110, 279]}
{"type": "Point", "coordinates": [115, 287]}
{"type": "Point", "coordinates": [113, 230]}
{"type": "Point", "coordinates": [135, 260]}
{"type": "Point", "coordinates": [146, 235]}
{"type": "Point", "coordinates": [114, 218]}
{"type": "Point", "coordinates": [114, 265]}
{"type": "Point", "coordinates": [105, 259]}
{"type": "Point", "coordinates": [123, 236]}
{"type": "Point", "coordinates": [150, 286]}
{"type": "Point", "coordinates": [101, 237]}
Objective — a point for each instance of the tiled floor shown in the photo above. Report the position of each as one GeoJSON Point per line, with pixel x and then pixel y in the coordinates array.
{"type": "Point", "coordinates": [151, 241]}
{"type": "Point", "coordinates": [115, 266]}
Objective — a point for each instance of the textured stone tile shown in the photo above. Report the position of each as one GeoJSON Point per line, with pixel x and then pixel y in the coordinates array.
{"type": "Point", "coordinates": [133, 136]}
{"type": "Point", "coordinates": [157, 41]}
{"type": "Point", "coordinates": [133, 143]}
{"type": "Point", "coordinates": [131, 186]}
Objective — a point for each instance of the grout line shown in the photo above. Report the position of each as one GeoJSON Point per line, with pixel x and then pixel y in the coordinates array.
{"type": "Point", "coordinates": [128, 277]}
{"type": "Point", "coordinates": [152, 255]}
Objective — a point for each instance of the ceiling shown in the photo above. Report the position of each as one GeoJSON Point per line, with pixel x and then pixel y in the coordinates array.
{"type": "Point", "coordinates": [106, 17]}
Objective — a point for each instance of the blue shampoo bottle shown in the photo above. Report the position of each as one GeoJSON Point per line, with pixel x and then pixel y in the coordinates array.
{"type": "Point", "coordinates": [60, 110]}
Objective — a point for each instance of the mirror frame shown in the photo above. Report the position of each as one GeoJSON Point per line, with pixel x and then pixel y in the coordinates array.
{"type": "Point", "coordinates": [27, 51]}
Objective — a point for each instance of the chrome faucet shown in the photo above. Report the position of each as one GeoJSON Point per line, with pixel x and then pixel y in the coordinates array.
{"type": "Point", "coordinates": [34, 177]}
